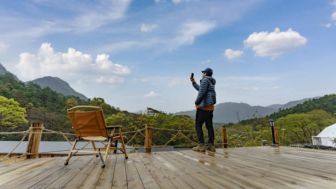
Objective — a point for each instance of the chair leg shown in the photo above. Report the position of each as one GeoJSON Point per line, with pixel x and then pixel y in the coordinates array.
{"type": "Point", "coordinates": [107, 151]}
{"type": "Point", "coordinates": [70, 153]}
{"type": "Point", "coordinates": [94, 147]}
{"type": "Point", "coordinates": [101, 158]}
{"type": "Point", "coordinates": [115, 146]}
{"type": "Point", "coordinates": [123, 143]}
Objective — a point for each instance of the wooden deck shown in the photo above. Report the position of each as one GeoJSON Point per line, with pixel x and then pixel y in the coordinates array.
{"type": "Point", "coordinates": [259, 167]}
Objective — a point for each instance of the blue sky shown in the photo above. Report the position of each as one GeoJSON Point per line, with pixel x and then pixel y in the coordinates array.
{"type": "Point", "coordinates": [140, 53]}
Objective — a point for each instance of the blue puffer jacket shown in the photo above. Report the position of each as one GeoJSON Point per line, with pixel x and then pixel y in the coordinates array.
{"type": "Point", "coordinates": [206, 92]}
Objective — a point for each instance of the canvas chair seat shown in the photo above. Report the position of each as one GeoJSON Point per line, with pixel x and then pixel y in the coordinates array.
{"type": "Point", "coordinates": [95, 138]}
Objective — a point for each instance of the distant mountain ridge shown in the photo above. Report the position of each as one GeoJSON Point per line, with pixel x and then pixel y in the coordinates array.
{"type": "Point", "coordinates": [54, 83]}
{"type": "Point", "coordinates": [2, 70]}
{"type": "Point", "coordinates": [232, 112]}
{"type": "Point", "coordinates": [58, 85]}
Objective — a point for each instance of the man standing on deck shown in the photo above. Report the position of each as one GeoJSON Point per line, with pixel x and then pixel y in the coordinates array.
{"type": "Point", "coordinates": [205, 101]}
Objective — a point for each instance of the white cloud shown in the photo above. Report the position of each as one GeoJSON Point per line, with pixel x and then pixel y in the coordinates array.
{"type": "Point", "coordinates": [274, 43]}
{"type": "Point", "coordinates": [328, 25]}
{"type": "Point", "coordinates": [232, 54]}
{"type": "Point", "coordinates": [190, 30]}
{"type": "Point", "coordinates": [151, 94]}
{"type": "Point", "coordinates": [110, 79]}
{"type": "Point", "coordinates": [148, 27]}
{"type": "Point", "coordinates": [3, 46]}
{"type": "Point", "coordinates": [70, 65]}
{"type": "Point", "coordinates": [101, 14]}
{"type": "Point", "coordinates": [333, 16]}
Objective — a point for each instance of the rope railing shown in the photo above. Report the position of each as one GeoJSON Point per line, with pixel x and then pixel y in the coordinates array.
{"type": "Point", "coordinates": [154, 137]}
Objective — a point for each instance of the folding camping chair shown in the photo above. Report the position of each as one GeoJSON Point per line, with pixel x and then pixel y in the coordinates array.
{"type": "Point", "coordinates": [89, 125]}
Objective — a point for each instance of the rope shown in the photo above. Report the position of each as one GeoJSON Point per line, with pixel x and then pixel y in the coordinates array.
{"type": "Point", "coordinates": [183, 130]}
{"type": "Point", "coordinates": [59, 132]}
{"type": "Point", "coordinates": [17, 145]}
{"type": "Point", "coordinates": [11, 133]}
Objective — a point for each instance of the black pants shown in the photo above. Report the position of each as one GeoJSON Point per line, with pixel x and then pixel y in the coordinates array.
{"type": "Point", "coordinates": [203, 116]}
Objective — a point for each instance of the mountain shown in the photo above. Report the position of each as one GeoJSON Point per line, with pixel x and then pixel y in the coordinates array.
{"type": "Point", "coordinates": [58, 85]}
{"type": "Point", "coordinates": [3, 70]}
{"type": "Point", "coordinates": [326, 103]}
{"type": "Point", "coordinates": [288, 105]}
{"type": "Point", "coordinates": [232, 112]}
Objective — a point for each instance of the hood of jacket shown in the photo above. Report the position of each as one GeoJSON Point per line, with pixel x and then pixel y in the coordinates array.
{"type": "Point", "coordinates": [211, 79]}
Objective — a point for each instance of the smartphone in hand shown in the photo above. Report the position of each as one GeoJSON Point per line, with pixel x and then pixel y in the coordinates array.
{"type": "Point", "coordinates": [192, 76]}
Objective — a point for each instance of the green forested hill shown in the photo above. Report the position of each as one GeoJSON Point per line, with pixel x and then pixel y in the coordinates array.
{"type": "Point", "coordinates": [295, 125]}
{"type": "Point", "coordinates": [327, 103]}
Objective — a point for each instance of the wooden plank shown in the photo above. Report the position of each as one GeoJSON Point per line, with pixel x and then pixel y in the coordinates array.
{"type": "Point", "coordinates": [119, 177]}
{"type": "Point", "coordinates": [133, 177]}
{"type": "Point", "coordinates": [292, 174]}
{"type": "Point", "coordinates": [12, 175]}
{"type": "Point", "coordinates": [281, 160]}
{"type": "Point", "coordinates": [235, 173]}
{"type": "Point", "coordinates": [35, 175]}
{"type": "Point", "coordinates": [261, 167]}
{"type": "Point", "coordinates": [16, 165]}
{"type": "Point", "coordinates": [106, 178]}
{"type": "Point", "coordinates": [157, 174]}
{"type": "Point", "coordinates": [205, 176]}
{"type": "Point", "coordinates": [184, 172]}
{"type": "Point", "coordinates": [83, 174]}
{"type": "Point", "coordinates": [145, 175]}
{"type": "Point", "coordinates": [61, 174]}
{"type": "Point", "coordinates": [93, 177]}
{"type": "Point", "coordinates": [171, 171]}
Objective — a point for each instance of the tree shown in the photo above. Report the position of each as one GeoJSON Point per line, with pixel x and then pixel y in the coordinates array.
{"type": "Point", "coordinates": [71, 102]}
{"type": "Point", "coordinates": [108, 109]}
{"type": "Point", "coordinates": [11, 114]}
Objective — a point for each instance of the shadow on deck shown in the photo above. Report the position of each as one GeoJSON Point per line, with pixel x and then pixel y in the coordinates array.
{"type": "Point", "coordinates": [255, 167]}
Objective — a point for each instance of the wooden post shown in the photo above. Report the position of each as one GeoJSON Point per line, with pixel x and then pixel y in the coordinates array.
{"type": "Point", "coordinates": [148, 139]}
{"type": "Point", "coordinates": [276, 133]}
{"type": "Point", "coordinates": [224, 137]}
{"type": "Point", "coordinates": [35, 134]}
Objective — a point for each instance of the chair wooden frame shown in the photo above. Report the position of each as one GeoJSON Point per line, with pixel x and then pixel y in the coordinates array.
{"type": "Point", "coordinates": [90, 126]}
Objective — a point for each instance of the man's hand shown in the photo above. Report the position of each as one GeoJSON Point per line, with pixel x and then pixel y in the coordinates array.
{"type": "Point", "coordinates": [192, 80]}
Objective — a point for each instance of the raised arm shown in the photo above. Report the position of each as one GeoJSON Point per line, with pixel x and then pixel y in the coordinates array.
{"type": "Point", "coordinates": [195, 85]}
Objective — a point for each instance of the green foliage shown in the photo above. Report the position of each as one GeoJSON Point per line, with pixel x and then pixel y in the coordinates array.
{"type": "Point", "coordinates": [11, 114]}
{"type": "Point", "coordinates": [161, 122]}
{"type": "Point", "coordinates": [299, 128]}
{"type": "Point", "coordinates": [108, 109]}
{"type": "Point", "coordinates": [296, 128]}
{"type": "Point", "coordinates": [43, 105]}
{"type": "Point", "coordinates": [326, 103]}
{"type": "Point", "coordinates": [71, 102]}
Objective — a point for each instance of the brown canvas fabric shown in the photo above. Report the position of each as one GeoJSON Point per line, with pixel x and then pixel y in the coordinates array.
{"type": "Point", "coordinates": [88, 123]}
